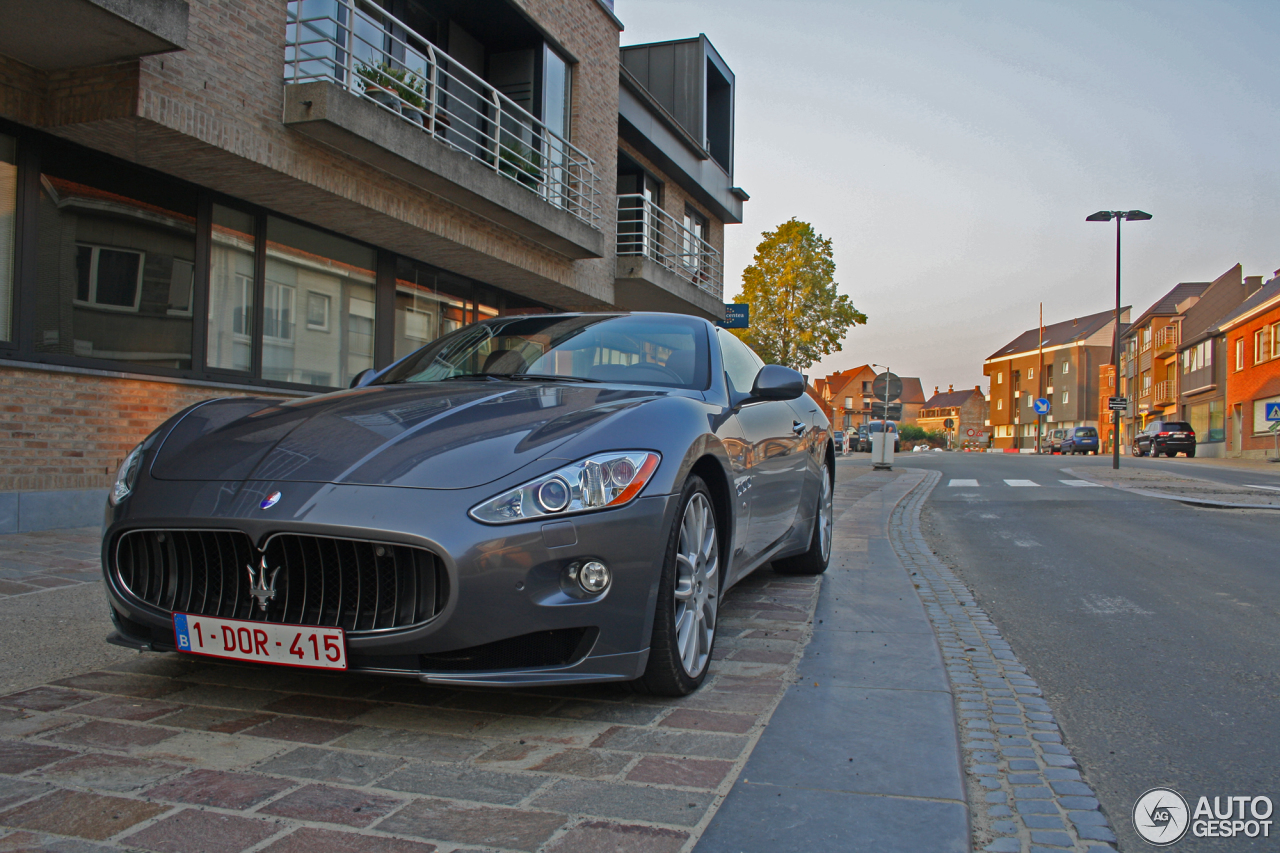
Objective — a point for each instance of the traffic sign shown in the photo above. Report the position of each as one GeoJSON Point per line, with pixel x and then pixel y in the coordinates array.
{"type": "Point", "coordinates": [737, 316]}
{"type": "Point", "coordinates": [1118, 404]}
{"type": "Point", "coordinates": [1041, 405]}
{"type": "Point", "coordinates": [949, 424]}
{"type": "Point", "coordinates": [878, 411]}
{"type": "Point", "coordinates": [1273, 411]}
{"type": "Point", "coordinates": [889, 380]}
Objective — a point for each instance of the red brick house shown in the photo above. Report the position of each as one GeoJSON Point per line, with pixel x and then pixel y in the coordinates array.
{"type": "Point", "coordinates": [1252, 333]}
{"type": "Point", "coordinates": [967, 411]}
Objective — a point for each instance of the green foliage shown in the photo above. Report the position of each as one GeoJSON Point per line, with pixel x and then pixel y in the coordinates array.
{"type": "Point", "coordinates": [410, 88]}
{"type": "Point", "coordinates": [797, 316]}
{"type": "Point", "coordinates": [911, 432]}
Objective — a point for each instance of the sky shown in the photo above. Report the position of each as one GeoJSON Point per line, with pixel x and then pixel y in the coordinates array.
{"type": "Point", "coordinates": [952, 150]}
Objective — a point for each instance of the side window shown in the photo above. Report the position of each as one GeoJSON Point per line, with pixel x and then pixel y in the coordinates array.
{"type": "Point", "coordinates": [740, 364]}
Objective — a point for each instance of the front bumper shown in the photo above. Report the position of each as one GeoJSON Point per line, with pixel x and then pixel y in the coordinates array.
{"type": "Point", "coordinates": [504, 581]}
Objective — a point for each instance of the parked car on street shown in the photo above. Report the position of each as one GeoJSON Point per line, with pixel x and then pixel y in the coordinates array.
{"type": "Point", "coordinates": [882, 426]}
{"type": "Point", "coordinates": [1052, 441]}
{"type": "Point", "coordinates": [1167, 437]}
{"type": "Point", "coordinates": [864, 440]}
{"type": "Point", "coordinates": [528, 500]}
{"type": "Point", "coordinates": [838, 439]}
{"type": "Point", "coordinates": [1081, 439]}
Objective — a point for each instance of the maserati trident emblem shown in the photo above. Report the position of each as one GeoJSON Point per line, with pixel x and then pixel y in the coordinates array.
{"type": "Point", "coordinates": [260, 588]}
{"type": "Point", "coordinates": [270, 501]}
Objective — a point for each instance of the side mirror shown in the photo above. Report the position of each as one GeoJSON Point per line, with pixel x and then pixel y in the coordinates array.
{"type": "Point", "coordinates": [363, 378]}
{"type": "Point", "coordinates": [775, 382]}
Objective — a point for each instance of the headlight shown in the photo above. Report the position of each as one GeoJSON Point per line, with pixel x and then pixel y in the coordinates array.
{"type": "Point", "coordinates": [599, 482]}
{"type": "Point", "coordinates": [127, 475]}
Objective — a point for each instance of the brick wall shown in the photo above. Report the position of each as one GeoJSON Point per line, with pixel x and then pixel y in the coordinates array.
{"type": "Point", "coordinates": [71, 431]}
{"type": "Point", "coordinates": [1257, 380]}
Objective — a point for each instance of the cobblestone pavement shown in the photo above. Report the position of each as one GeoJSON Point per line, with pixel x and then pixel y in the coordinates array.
{"type": "Point", "coordinates": [33, 562]}
{"type": "Point", "coordinates": [168, 754]}
{"type": "Point", "coordinates": [1026, 793]}
{"type": "Point", "coordinates": [1192, 489]}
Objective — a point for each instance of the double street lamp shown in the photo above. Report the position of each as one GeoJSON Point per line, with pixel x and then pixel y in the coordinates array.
{"type": "Point", "coordinates": [1118, 216]}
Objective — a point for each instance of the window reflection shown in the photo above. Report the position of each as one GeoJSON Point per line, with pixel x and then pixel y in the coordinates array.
{"type": "Point", "coordinates": [8, 227]}
{"type": "Point", "coordinates": [115, 266]}
{"type": "Point", "coordinates": [317, 306]}
{"type": "Point", "coordinates": [423, 311]}
{"type": "Point", "coordinates": [231, 290]}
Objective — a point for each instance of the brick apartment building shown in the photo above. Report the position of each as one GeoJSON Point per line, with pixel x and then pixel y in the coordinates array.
{"type": "Point", "coordinates": [846, 396]}
{"type": "Point", "coordinates": [1252, 335]}
{"type": "Point", "coordinates": [204, 198]}
{"type": "Point", "coordinates": [1072, 352]}
{"type": "Point", "coordinates": [967, 411]}
{"type": "Point", "coordinates": [1106, 390]}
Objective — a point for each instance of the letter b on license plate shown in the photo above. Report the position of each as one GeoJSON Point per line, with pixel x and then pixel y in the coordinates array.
{"type": "Point", "coordinates": [263, 642]}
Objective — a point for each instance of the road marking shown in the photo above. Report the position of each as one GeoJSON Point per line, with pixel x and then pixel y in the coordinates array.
{"type": "Point", "coordinates": [1081, 484]}
{"type": "Point", "coordinates": [1102, 605]}
{"type": "Point", "coordinates": [964, 483]}
{"type": "Point", "coordinates": [1247, 486]}
{"type": "Point", "coordinates": [1021, 484]}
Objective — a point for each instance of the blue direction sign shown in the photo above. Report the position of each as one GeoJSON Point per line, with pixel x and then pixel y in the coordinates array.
{"type": "Point", "coordinates": [1273, 411]}
{"type": "Point", "coordinates": [737, 316]}
{"type": "Point", "coordinates": [1041, 405]}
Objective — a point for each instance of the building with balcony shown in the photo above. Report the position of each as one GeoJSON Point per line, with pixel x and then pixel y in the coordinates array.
{"type": "Point", "coordinates": [203, 198]}
{"type": "Point", "coordinates": [1251, 336]}
{"type": "Point", "coordinates": [1061, 366]}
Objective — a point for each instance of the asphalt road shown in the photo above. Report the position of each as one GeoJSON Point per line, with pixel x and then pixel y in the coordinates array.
{"type": "Point", "coordinates": [1153, 627]}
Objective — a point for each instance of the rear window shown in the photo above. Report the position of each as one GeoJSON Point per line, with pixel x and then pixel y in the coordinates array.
{"type": "Point", "coordinates": [1087, 432]}
{"type": "Point", "coordinates": [1176, 426]}
{"type": "Point", "coordinates": [878, 426]}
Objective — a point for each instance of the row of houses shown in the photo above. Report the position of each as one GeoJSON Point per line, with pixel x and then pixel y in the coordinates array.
{"type": "Point", "coordinates": [205, 198]}
{"type": "Point", "coordinates": [1207, 353]}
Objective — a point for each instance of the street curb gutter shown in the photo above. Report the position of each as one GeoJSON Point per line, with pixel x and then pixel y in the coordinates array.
{"type": "Point", "coordinates": [1026, 793]}
{"type": "Point", "coordinates": [1179, 498]}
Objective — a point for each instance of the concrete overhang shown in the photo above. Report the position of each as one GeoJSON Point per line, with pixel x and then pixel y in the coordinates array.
{"type": "Point", "coordinates": [52, 35]}
{"type": "Point", "coordinates": [367, 132]}
{"type": "Point", "coordinates": [645, 285]}
{"type": "Point", "coordinates": [658, 137]}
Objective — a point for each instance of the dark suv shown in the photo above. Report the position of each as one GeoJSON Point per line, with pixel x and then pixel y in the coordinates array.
{"type": "Point", "coordinates": [1080, 440]}
{"type": "Point", "coordinates": [1167, 437]}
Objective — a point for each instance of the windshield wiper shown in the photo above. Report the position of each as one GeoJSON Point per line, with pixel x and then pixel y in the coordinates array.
{"type": "Point", "coordinates": [475, 376]}
{"type": "Point", "coordinates": [547, 377]}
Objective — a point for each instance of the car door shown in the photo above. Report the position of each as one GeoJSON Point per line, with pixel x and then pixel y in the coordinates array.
{"type": "Point", "coordinates": [774, 432]}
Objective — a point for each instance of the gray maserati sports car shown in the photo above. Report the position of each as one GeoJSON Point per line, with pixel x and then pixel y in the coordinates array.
{"type": "Point", "coordinates": [543, 499]}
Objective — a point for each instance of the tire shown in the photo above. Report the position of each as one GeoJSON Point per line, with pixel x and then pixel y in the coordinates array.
{"type": "Point", "coordinates": [814, 561]}
{"type": "Point", "coordinates": [689, 589]}
{"type": "Point", "coordinates": [1191, 454]}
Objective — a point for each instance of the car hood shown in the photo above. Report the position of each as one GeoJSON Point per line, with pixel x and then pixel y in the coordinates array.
{"type": "Point", "coordinates": [441, 435]}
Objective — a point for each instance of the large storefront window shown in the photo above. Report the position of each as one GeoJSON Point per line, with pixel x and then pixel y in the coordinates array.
{"type": "Point", "coordinates": [317, 306]}
{"type": "Point", "coordinates": [8, 230]}
{"type": "Point", "coordinates": [231, 291]}
{"type": "Point", "coordinates": [425, 311]}
{"type": "Point", "coordinates": [116, 263]}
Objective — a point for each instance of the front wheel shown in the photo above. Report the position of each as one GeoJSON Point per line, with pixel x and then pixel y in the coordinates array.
{"type": "Point", "coordinates": [815, 560]}
{"type": "Point", "coordinates": [1136, 451]}
{"type": "Point", "coordinates": [684, 619]}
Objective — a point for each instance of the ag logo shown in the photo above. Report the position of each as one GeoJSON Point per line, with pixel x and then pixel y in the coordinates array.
{"type": "Point", "coordinates": [1161, 817]}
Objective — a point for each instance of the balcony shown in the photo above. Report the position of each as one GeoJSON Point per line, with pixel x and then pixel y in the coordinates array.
{"type": "Point", "coordinates": [55, 35]}
{"type": "Point", "coordinates": [1166, 341]}
{"type": "Point", "coordinates": [673, 259]}
{"type": "Point", "coordinates": [1165, 393]}
{"type": "Point", "coordinates": [362, 81]}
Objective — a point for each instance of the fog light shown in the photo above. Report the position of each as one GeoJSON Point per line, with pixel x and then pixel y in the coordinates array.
{"type": "Point", "coordinates": [593, 576]}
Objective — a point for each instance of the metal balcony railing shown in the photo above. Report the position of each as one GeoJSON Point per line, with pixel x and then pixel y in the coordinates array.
{"type": "Point", "coordinates": [1166, 340]}
{"type": "Point", "coordinates": [1165, 393]}
{"type": "Point", "coordinates": [648, 230]}
{"type": "Point", "coordinates": [372, 54]}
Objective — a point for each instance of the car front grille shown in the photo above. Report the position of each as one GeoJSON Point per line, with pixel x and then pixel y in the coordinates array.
{"type": "Point", "coordinates": [353, 584]}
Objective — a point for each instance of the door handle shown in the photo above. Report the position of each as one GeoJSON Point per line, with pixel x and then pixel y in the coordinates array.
{"type": "Point", "coordinates": [798, 428]}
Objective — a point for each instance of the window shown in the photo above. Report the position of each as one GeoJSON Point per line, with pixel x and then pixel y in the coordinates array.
{"type": "Point", "coordinates": [1066, 368]}
{"type": "Point", "coordinates": [848, 402]}
{"type": "Point", "coordinates": [1000, 378]}
{"type": "Point", "coordinates": [866, 387]}
{"type": "Point", "coordinates": [1031, 373]}
{"type": "Point", "coordinates": [999, 405]}
{"type": "Point", "coordinates": [114, 262]}
{"type": "Point", "coordinates": [1048, 373]}
{"type": "Point", "coordinates": [8, 230]}
{"type": "Point", "coordinates": [740, 364]}
{"type": "Point", "coordinates": [1066, 397]}
{"type": "Point", "coordinates": [318, 311]}
{"type": "Point", "coordinates": [1239, 353]}
{"type": "Point", "coordinates": [1260, 422]}
{"type": "Point", "coordinates": [1146, 383]}
{"type": "Point", "coordinates": [1275, 340]}
{"type": "Point", "coordinates": [231, 293]}
{"type": "Point", "coordinates": [693, 240]}
{"type": "Point", "coordinates": [1259, 346]}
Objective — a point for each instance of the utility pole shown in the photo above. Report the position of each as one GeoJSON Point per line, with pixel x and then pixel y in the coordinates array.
{"type": "Point", "coordinates": [1040, 387]}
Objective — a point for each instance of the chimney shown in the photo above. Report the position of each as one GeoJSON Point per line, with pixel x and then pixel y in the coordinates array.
{"type": "Point", "coordinates": [950, 389]}
{"type": "Point", "coordinates": [935, 390]}
{"type": "Point", "coordinates": [1252, 283]}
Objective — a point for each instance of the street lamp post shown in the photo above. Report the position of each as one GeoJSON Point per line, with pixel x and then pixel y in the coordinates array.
{"type": "Point", "coordinates": [1106, 216]}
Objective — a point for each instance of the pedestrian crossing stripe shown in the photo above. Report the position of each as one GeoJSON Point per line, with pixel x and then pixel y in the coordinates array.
{"type": "Point", "coordinates": [964, 483]}
{"type": "Point", "coordinates": [1081, 484]}
{"type": "Point", "coordinates": [1022, 484]}
{"type": "Point", "coordinates": [1028, 484]}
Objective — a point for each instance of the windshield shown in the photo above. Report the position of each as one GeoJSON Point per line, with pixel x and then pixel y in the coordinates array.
{"type": "Point", "coordinates": [635, 349]}
{"type": "Point", "coordinates": [878, 426]}
{"type": "Point", "coordinates": [1087, 432]}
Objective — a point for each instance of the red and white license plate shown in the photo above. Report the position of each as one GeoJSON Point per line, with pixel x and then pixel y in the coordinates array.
{"type": "Point", "coordinates": [264, 642]}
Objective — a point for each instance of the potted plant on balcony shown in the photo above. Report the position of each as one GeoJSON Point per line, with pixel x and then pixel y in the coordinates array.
{"type": "Point", "coordinates": [411, 90]}
{"type": "Point", "coordinates": [519, 161]}
{"type": "Point", "coordinates": [380, 84]}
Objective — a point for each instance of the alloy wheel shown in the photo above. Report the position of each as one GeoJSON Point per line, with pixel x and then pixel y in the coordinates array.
{"type": "Point", "coordinates": [826, 514]}
{"type": "Point", "coordinates": [697, 587]}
